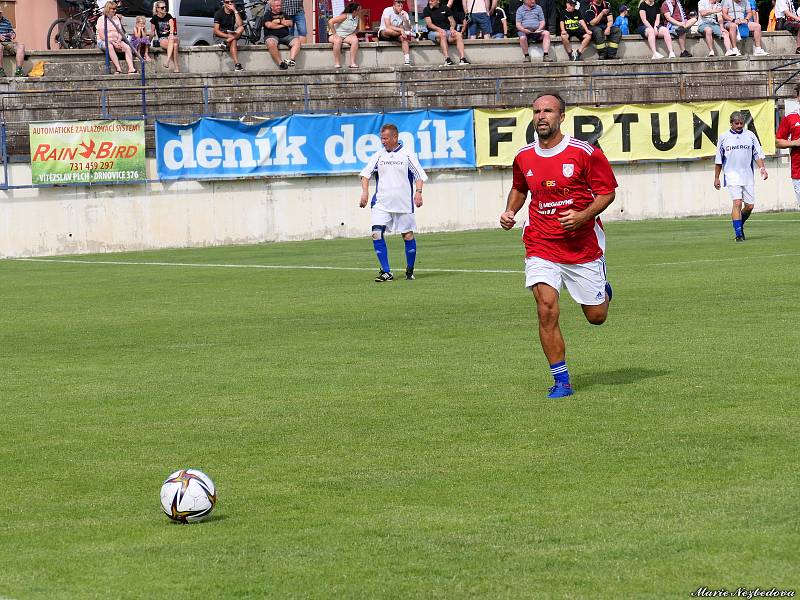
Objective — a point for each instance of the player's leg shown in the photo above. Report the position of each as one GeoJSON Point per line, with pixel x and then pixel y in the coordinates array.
{"type": "Point", "coordinates": [407, 223]}
{"type": "Point", "coordinates": [543, 278]}
{"type": "Point", "coordinates": [588, 286]}
{"type": "Point", "coordinates": [796, 187]}
{"type": "Point", "coordinates": [736, 211]}
{"type": "Point", "coordinates": [380, 219]}
{"type": "Point", "coordinates": [748, 201]}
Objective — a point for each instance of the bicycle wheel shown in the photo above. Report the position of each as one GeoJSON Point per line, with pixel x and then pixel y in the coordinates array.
{"type": "Point", "coordinates": [76, 34]}
{"type": "Point", "coordinates": [54, 33]}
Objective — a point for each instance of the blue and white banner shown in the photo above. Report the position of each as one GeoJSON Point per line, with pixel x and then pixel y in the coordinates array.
{"type": "Point", "coordinates": [309, 144]}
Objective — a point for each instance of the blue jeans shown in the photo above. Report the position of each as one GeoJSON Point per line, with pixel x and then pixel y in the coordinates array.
{"type": "Point", "coordinates": [300, 24]}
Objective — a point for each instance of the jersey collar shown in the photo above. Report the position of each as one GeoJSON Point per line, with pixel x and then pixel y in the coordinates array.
{"type": "Point", "coordinates": [545, 152]}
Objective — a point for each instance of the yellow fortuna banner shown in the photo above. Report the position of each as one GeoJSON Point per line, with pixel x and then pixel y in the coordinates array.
{"type": "Point", "coordinates": [628, 132]}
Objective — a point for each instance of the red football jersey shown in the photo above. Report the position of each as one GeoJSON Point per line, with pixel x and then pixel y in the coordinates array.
{"type": "Point", "coordinates": [789, 129]}
{"type": "Point", "coordinates": [567, 176]}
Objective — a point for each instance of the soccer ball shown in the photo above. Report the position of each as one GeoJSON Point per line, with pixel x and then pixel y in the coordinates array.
{"type": "Point", "coordinates": [188, 495]}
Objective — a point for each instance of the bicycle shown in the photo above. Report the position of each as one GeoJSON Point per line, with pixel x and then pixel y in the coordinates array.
{"type": "Point", "coordinates": [254, 23]}
{"type": "Point", "coordinates": [76, 30]}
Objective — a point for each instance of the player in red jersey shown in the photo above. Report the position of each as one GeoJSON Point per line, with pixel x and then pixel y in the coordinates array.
{"type": "Point", "coordinates": [571, 183]}
{"type": "Point", "coordinates": [788, 136]}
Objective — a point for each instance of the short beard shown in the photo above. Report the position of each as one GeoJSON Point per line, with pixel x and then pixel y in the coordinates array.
{"type": "Point", "coordinates": [551, 131]}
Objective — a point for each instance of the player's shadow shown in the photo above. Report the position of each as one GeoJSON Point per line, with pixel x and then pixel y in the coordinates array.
{"type": "Point", "coordinates": [616, 377]}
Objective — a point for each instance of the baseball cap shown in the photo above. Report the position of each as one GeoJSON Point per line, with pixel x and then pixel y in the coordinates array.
{"type": "Point", "coordinates": [622, 8]}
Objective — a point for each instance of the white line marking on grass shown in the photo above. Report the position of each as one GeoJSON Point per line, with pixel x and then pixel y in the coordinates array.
{"type": "Point", "coordinates": [235, 266]}
{"type": "Point", "coordinates": [324, 268]}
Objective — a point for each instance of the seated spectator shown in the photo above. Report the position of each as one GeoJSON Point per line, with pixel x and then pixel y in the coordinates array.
{"type": "Point", "coordinates": [442, 29]}
{"type": "Point", "coordinates": [478, 19]}
{"type": "Point", "coordinates": [228, 28]}
{"type": "Point", "coordinates": [736, 19]}
{"type": "Point", "coordinates": [678, 23]}
{"type": "Point", "coordinates": [396, 27]}
{"type": "Point", "coordinates": [622, 20]}
{"type": "Point", "coordinates": [499, 24]}
{"type": "Point", "coordinates": [531, 29]}
{"type": "Point", "coordinates": [710, 14]}
{"type": "Point", "coordinates": [786, 19]}
{"type": "Point", "coordinates": [164, 34]}
{"type": "Point", "coordinates": [651, 28]}
{"type": "Point", "coordinates": [600, 19]}
{"type": "Point", "coordinates": [573, 26]}
{"type": "Point", "coordinates": [140, 40]}
{"type": "Point", "coordinates": [8, 40]}
{"type": "Point", "coordinates": [279, 29]}
{"type": "Point", "coordinates": [342, 30]}
{"type": "Point", "coordinates": [109, 28]}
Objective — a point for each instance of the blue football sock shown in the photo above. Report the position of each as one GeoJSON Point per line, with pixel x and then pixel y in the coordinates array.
{"type": "Point", "coordinates": [737, 227]}
{"type": "Point", "coordinates": [382, 253]}
{"type": "Point", "coordinates": [411, 253]}
{"type": "Point", "coordinates": [559, 371]}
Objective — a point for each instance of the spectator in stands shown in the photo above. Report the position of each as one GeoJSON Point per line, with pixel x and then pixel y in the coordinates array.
{"type": "Point", "coordinates": [8, 40]}
{"type": "Point", "coordinates": [442, 29]}
{"type": "Point", "coordinates": [279, 29]}
{"type": "Point", "coordinates": [342, 30]}
{"type": "Point", "coordinates": [228, 28]}
{"type": "Point", "coordinates": [573, 26]}
{"type": "Point", "coordinates": [109, 29]}
{"type": "Point", "coordinates": [531, 28]}
{"type": "Point", "coordinates": [396, 27]}
{"type": "Point", "coordinates": [754, 15]}
{"type": "Point", "coordinates": [678, 23]}
{"type": "Point", "coordinates": [622, 20]}
{"type": "Point", "coordinates": [293, 10]}
{"type": "Point", "coordinates": [650, 28]}
{"type": "Point", "coordinates": [457, 6]}
{"type": "Point", "coordinates": [600, 19]}
{"type": "Point", "coordinates": [736, 16]}
{"type": "Point", "coordinates": [164, 34]}
{"type": "Point", "coordinates": [499, 24]}
{"type": "Point", "coordinates": [551, 16]}
{"type": "Point", "coordinates": [786, 19]}
{"type": "Point", "coordinates": [710, 12]}
{"type": "Point", "coordinates": [478, 18]}
{"type": "Point", "coordinates": [771, 20]}
{"type": "Point", "coordinates": [140, 40]}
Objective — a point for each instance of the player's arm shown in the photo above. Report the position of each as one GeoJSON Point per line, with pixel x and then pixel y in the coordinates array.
{"type": "Point", "coordinates": [572, 219]}
{"type": "Point", "coordinates": [516, 200]}
{"type": "Point", "coordinates": [717, 172]}
{"type": "Point", "coordinates": [758, 156]}
{"type": "Point", "coordinates": [364, 191]}
{"type": "Point", "coordinates": [420, 177]}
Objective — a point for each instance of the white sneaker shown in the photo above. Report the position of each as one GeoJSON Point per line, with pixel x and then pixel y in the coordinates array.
{"type": "Point", "coordinates": [736, 52]}
{"type": "Point", "coordinates": [760, 52]}
{"type": "Point", "coordinates": [730, 52]}
{"type": "Point", "coordinates": [656, 56]}
{"type": "Point", "coordinates": [711, 53]}
{"type": "Point", "coordinates": [672, 55]}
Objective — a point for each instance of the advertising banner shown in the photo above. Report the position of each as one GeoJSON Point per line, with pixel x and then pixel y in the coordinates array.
{"type": "Point", "coordinates": [87, 151]}
{"type": "Point", "coordinates": [628, 132]}
{"type": "Point", "coordinates": [309, 144]}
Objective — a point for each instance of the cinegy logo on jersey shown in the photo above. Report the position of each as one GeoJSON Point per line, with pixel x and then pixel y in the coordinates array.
{"type": "Point", "coordinates": [272, 146]}
{"type": "Point", "coordinates": [437, 144]}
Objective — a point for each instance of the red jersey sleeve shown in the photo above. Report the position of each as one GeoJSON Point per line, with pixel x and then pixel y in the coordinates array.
{"type": "Point", "coordinates": [783, 129]}
{"type": "Point", "coordinates": [519, 182]}
{"type": "Point", "coordinates": [600, 177]}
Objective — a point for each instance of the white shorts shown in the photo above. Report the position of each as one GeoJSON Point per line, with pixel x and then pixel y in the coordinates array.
{"type": "Point", "coordinates": [586, 283]}
{"type": "Point", "coordinates": [796, 185]}
{"type": "Point", "coordinates": [394, 222]}
{"type": "Point", "coordinates": [741, 192]}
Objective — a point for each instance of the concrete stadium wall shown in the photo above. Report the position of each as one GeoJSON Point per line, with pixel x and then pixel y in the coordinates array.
{"type": "Point", "coordinates": [72, 220]}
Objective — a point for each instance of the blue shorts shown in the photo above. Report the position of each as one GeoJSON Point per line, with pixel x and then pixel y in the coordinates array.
{"type": "Point", "coordinates": [480, 21]}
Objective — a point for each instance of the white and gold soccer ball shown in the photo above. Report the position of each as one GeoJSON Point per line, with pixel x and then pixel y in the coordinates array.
{"type": "Point", "coordinates": [188, 496]}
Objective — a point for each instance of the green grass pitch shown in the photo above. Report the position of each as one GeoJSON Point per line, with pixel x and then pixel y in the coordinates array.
{"type": "Point", "coordinates": [394, 440]}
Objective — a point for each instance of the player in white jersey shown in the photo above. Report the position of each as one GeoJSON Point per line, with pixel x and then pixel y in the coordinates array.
{"type": "Point", "coordinates": [398, 191]}
{"type": "Point", "coordinates": [737, 149]}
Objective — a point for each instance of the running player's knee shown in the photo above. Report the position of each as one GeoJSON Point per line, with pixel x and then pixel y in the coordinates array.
{"type": "Point", "coordinates": [408, 235]}
{"type": "Point", "coordinates": [378, 231]}
{"type": "Point", "coordinates": [596, 319]}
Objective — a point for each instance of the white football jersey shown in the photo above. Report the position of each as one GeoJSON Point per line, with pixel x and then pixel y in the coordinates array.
{"type": "Point", "coordinates": [395, 174]}
{"type": "Point", "coordinates": [737, 152]}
